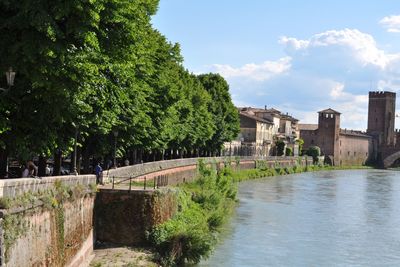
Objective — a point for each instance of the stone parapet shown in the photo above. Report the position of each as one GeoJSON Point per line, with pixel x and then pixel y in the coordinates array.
{"type": "Point", "coordinates": [14, 187]}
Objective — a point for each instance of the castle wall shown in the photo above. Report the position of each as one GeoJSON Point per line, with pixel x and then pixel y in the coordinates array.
{"type": "Point", "coordinates": [310, 138]}
{"type": "Point", "coordinates": [354, 150]}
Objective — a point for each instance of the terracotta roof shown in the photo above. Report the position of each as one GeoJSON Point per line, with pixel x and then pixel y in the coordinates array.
{"type": "Point", "coordinates": [329, 111]}
{"type": "Point", "coordinates": [288, 117]}
{"type": "Point", "coordinates": [308, 127]}
{"type": "Point", "coordinates": [354, 133]}
{"type": "Point", "coordinates": [255, 118]}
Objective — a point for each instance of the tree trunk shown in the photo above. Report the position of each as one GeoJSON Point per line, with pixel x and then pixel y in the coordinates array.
{"type": "Point", "coordinates": [140, 156]}
{"type": "Point", "coordinates": [41, 166]}
{"type": "Point", "coordinates": [86, 161]}
{"type": "Point", "coordinates": [71, 165]}
{"type": "Point", "coordinates": [3, 163]}
{"type": "Point", "coordinates": [57, 162]}
{"type": "Point", "coordinates": [78, 159]}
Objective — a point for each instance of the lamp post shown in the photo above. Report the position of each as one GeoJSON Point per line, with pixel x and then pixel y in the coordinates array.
{"type": "Point", "coordinates": [10, 75]}
{"type": "Point", "coordinates": [115, 132]}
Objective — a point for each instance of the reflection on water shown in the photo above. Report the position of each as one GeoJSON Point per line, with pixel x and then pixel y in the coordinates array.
{"type": "Point", "coordinates": [335, 218]}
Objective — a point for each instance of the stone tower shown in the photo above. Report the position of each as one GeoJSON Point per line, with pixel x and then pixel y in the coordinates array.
{"type": "Point", "coordinates": [328, 132]}
{"type": "Point", "coordinates": [381, 117]}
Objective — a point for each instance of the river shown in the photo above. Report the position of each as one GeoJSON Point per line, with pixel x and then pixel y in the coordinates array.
{"type": "Point", "coordinates": [330, 218]}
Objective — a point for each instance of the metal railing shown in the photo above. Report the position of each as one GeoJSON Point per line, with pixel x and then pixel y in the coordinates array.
{"type": "Point", "coordinates": [140, 181]}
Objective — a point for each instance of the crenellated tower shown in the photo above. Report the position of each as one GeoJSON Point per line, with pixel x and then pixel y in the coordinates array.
{"type": "Point", "coordinates": [328, 132]}
{"type": "Point", "coordinates": [381, 117]}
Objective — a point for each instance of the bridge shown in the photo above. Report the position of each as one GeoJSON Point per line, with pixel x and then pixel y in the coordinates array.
{"type": "Point", "coordinates": [389, 155]}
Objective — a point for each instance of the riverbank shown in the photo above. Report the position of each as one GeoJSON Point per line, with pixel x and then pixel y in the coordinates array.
{"type": "Point", "coordinates": [110, 256]}
{"type": "Point", "coordinates": [204, 206]}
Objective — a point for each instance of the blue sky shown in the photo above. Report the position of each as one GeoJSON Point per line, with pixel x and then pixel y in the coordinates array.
{"type": "Point", "coordinates": [298, 56]}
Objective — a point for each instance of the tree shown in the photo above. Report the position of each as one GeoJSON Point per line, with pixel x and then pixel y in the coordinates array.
{"type": "Point", "coordinates": [280, 147]}
{"type": "Point", "coordinates": [93, 67]}
{"type": "Point", "coordinates": [224, 114]}
{"type": "Point", "coordinates": [289, 151]}
{"type": "Point", "coordinates": [314, 152]}
{"type": "Point", "coordinates": [300, 142]}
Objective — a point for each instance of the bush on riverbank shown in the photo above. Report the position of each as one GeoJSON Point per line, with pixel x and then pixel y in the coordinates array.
{"type": "Point", "coordinates": [203, 207]}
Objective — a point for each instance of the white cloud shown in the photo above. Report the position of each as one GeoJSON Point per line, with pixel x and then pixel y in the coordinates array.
{"type": "Point", "coordinates": [261, 72]}
{"type": "Point", "coordinates": [391, 23]}
{"type": "Point", "coordinates": [337, 91]}
{"type": "Point", "coordinates": [348, 42]}
{"type": "Point", "coordinates": [335, 68]}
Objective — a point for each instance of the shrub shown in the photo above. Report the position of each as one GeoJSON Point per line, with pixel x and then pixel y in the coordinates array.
{"type": "Point", "coordinates": [280, 146]}
{"type": "Point", "coordinates": [314, 152]}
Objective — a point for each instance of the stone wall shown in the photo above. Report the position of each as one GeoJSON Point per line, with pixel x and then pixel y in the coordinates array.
{"type": "Point", "coordinates": [354, 150]}
{"type": "Point", "coordinates": [55, 236]}
{"type": "Point", "coordinates": [122, 217]}
{"type": "Point", "coordinates": [15, 187]}
{"type": "Point", "coordinates": [181, 170]}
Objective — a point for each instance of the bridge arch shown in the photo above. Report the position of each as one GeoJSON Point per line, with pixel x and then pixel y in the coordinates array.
{"type": "Point", "coordinates": [389, 160]}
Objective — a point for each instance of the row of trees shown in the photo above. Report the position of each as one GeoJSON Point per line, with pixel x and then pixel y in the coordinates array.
{"type": "Point", "coordinates": [94, 68]}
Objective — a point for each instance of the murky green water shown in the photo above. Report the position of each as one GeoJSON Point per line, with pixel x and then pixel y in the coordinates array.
{"type": "Point", "coordinates": [335, 218]}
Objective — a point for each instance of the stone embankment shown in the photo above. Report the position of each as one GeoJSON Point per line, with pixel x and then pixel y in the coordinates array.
{"type": "Point", "coordinates": [50, 221]}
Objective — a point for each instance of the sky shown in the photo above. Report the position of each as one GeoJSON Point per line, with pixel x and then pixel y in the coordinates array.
{"type": "Point", "coordinates": [297, 56]}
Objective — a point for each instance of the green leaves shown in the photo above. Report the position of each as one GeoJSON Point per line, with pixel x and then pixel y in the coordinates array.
{"type": "Point", "coordinates": [100, 66]}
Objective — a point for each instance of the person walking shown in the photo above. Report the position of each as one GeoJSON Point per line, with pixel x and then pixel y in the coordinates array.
{"type": "Point", "coordinates": [98, 170]}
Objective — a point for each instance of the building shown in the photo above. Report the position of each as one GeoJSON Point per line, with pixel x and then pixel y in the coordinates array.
{"type": "Point", "coordinates": [259, 129]}
{"type": "Point", "coordinates": [339, 146]}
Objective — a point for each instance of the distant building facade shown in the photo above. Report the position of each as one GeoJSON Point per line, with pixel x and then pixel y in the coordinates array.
{"type": "Point", "coordinates": [339, 146]}
{"type": "Point", "coordinates": [259, 130]}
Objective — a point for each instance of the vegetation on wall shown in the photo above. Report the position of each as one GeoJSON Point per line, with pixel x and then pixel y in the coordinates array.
{"type": "Point", "coordinates": [14, 223]}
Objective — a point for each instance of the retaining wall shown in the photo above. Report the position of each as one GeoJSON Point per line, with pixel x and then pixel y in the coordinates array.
{"type": "Point", "coordinates": [123, 217]}
{"type": "Point", "coordinates": [184, 170]}
{"type": "Point", "coordinates": [65, 237]}
{"type": "Point", "coordinates": [56, 236]}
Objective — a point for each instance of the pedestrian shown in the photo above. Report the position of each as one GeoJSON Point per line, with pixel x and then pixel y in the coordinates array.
{"type": "Point", "coordinates": [48, 170]}
{"type": "Point", "coordinates": [33, 169]}
{"type": "Point", "coordinates": [99, 173]}
{"type": "Point", "coordinates": [25, 172]}
{"type": "Point", "coordinates": [30, 170]}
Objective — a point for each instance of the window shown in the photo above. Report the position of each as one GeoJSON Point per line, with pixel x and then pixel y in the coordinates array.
{"type": "Point", "coordinates": [331, 116]}
{"type": "Point", "coordinates": [326, 115]}
{"type": "Point", "coordinates": [348, 153]}
{"type": "Point", "coordinates": [355, 153]}
{"type": "Point", "coordinates": [312, 141]}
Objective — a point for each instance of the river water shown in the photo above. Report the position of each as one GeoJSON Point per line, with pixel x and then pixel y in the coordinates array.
{"type": "Point", "coordinates": [332, 218]}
